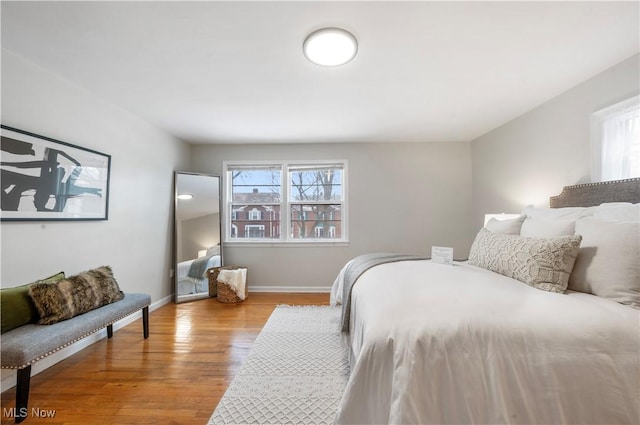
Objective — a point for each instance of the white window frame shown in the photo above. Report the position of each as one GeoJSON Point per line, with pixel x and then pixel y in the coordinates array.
{"type": "Point", "coordinates": [285, 205]}
{"type": "Point", "coordinates": [598, 119]}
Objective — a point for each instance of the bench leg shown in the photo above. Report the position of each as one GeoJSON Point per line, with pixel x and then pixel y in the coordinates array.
{"type": "Point", "coordinates": [145, 321]}
{"type": "Point", "coordinates": [145, 324]}
{"type": "Point", "coordinates": [22, 393]}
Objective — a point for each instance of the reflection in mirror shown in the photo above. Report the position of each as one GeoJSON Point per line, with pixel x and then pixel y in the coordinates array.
{"type": "Point", "coordinates": [197, 233]}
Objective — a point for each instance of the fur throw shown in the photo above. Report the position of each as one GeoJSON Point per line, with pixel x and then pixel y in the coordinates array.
{"type": "Point", "coordinates": [74, 295]}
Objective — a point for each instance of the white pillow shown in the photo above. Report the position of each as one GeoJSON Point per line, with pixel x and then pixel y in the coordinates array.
{"type": "Point", "coordinates": [547, 228]}
{"type": "Point", "coordinates": [214, 250]}
{"type": "Point", "coordinates": [618, 211]}
{"type": "Point", "coordinates": [608, 262]}
{"type": "Point", "coordinates": [509, 226]}
{"type": "Point", "coordinates": [569, 213]}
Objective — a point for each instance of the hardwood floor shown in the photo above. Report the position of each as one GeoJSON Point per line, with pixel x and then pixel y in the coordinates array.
{"type": "Point", "coordinates": [177, 376]}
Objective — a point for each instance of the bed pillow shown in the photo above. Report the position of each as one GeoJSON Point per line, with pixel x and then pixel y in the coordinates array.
{"type": "Point", "coordinates": [568, 213]}
{"type": "Point", "coordinates": [214, 250]}
{"type": "Point", "coordinates": [541, 263]}
{"type": "Point", "coordinates": [509, 226]}
{"type": "Point", "coordinates": [75, 295]}
{"type": "Point", "coordinates": [608, 263]}
{"type": "Point", "coordinates": [547, 227]}
{"type": "Point", "coordinates": [17, 308]}
{"type": "Point", "coordinates": [618, 211]}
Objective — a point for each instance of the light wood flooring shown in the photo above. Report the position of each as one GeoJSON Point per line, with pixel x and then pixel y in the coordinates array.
{"type": "Point", "coordinates": [177, 376]}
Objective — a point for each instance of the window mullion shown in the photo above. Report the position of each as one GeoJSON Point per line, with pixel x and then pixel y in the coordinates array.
{"type": "Point", "coordinates": [286, 208]}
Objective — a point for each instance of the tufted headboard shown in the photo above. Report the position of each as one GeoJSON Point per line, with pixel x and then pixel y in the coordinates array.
{"type": "Point", "coordinates": [591, 194]}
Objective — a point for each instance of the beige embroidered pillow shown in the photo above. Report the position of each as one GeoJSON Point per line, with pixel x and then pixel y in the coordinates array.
{"type": "Point", "coordinates": [66, 298]}
{"type": "Point", "coordinates": [544, 264]}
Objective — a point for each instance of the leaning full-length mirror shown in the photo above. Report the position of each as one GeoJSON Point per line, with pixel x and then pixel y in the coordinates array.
{"type": "Point", "coordinates": [197, 244]}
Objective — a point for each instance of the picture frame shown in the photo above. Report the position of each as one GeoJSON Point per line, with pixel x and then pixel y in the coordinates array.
{"type": "Point", "coordinates": [44, 179]}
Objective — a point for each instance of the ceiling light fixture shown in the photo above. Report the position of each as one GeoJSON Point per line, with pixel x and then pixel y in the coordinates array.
{"type": "Point", "coordinates": [330, 47]}
{"type": "Point", "coordinates": [185, 196]}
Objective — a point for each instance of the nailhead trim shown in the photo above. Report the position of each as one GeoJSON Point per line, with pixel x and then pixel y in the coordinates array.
{"type": "Point", "coordinates": [602, 183]}
{"type": "Point", "coordinates": [69, 343]}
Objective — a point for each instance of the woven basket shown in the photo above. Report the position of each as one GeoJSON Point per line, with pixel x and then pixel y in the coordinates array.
{"type": "Point", "coordinates": [224, 293]}
{"type": "Point", "coordinates": [212, 274]}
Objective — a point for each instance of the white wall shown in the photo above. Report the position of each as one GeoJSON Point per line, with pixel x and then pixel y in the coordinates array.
{"type": "Point", "coordinates": [136, 240]}
{"type": "Point", "coordinates": [533, 157]}
{"type": "Point", "coordinates": [403, 197]}
{"type": "Point", "coordinates": [197, 234]}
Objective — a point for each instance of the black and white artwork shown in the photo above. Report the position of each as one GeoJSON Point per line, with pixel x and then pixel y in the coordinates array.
{"type": "Point", "coordinates": [46, 179]}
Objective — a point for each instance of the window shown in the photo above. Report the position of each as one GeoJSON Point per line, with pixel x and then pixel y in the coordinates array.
{"type": "Point", "coordinates": [616, 141]}
{"type": "Point", "coordinates": [255, 214]}
{"type": "Point", "coordinates": [315, 200]}
{"type": "Point", "coordinates": [254, 231]}
{"type": "Point", "coordinates": [286, 201]}
{"type": "Point", "coordinates": [320, 231]}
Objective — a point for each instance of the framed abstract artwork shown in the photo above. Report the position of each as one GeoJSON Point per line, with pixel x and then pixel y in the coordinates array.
{"type": "Point", "coordinates": [45, 179]}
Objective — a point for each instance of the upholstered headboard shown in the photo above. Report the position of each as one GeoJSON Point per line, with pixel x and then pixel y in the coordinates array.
{"type": "Point", "coordinates": [591, 194]}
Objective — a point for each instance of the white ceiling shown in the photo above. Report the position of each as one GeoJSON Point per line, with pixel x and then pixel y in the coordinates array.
{"type": "Point", "coordinates": [206, 195]}
{"type": "Point", "coordinates": [234, 72]}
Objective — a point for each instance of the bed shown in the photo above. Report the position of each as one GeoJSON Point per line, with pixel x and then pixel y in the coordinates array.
{"type": "Point", "coordinates": [473, 343]}
{"type": "Point", "coordinates": [191, 275]}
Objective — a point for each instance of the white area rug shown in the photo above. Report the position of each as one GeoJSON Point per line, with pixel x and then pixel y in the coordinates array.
{"type": "Point", "coordinates": [295, 373]}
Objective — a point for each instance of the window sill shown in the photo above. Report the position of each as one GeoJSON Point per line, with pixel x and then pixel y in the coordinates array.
{"type": "Point", "coordinates": [285, 244]}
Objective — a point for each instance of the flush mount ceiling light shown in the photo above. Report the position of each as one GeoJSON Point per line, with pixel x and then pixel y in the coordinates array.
{"type": "Point", "coordinates": [330, 47]}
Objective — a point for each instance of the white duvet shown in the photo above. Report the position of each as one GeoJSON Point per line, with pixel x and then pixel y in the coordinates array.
{"type": "Point", "coordinates": [186, 285]}
{"type": "Point", "coordinates": [437, 344]}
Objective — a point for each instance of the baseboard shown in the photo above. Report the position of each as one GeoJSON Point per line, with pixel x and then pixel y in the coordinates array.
{"type": "Point", "coordinates": [291, 289]}
{"type": "Point", "coordinates": [9, 376]}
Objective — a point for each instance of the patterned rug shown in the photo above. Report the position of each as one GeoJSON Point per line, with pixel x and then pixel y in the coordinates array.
{"type": "Point", "coordinates": [295, 373]}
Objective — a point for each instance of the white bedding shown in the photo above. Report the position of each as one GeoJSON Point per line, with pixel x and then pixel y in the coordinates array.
{"type": "Point", "coordinates": [188, 285]}
{"type": "Point", "coordinates": [437, 344]}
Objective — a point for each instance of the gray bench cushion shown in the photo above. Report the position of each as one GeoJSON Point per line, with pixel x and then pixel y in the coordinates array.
{"type": "Point", "coordinates": [27, 344]}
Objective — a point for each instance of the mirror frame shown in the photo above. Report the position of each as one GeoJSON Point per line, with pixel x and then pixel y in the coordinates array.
{"type": "Point", "coordinates": [174, 278]}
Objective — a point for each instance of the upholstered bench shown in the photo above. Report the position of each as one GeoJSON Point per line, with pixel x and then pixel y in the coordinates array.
{"type": "Point", "coordinates": [24, 345]}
